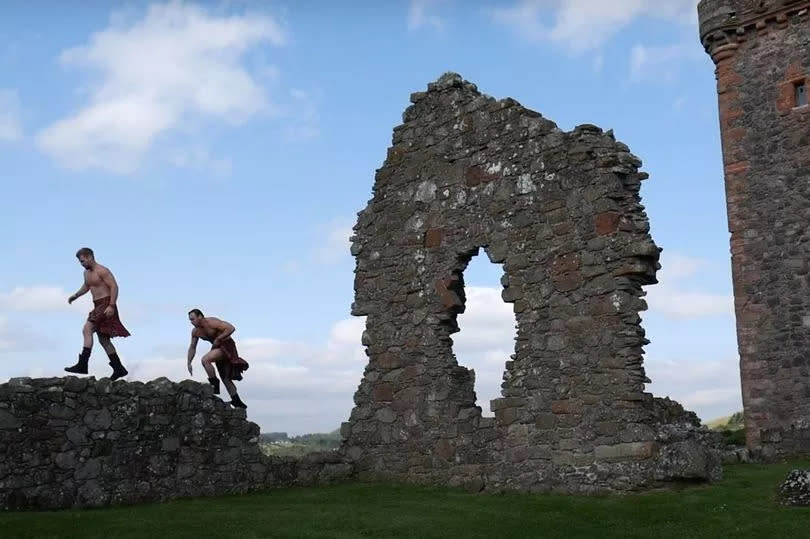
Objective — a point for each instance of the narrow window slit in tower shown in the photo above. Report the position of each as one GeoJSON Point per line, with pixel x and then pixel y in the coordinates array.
{"type": "Point", "coordinates": [800, 92]}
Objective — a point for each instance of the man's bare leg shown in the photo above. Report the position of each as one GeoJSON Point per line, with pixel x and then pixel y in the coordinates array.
{"type": "Point", "coordinates": [118, 369]}
{"type": "Point", "coordinates": [87, 336]}
{"type": "Point", "coordinates": [208, 361]}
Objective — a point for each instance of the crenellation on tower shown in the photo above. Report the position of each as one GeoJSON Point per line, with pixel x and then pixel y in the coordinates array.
{"type": "Point", "coordinates": [724, 23]}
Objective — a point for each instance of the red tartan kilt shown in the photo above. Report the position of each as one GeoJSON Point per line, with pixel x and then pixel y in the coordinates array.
{"type": "Point", "coordinates": [232, 366]}
{"type": "Point", "coordinates": [106, 325]}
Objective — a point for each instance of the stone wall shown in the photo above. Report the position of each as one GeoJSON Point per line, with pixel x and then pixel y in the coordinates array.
{"type": "Point", "coordinates": [761, 51]}
{"type": "Point", "coordinates": [562, 212]}
{"type": "Point", "coordinates": [82, 442]}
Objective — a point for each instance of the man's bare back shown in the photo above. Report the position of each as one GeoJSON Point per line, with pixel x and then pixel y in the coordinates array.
{"type": "Point", "coordinates": [210, 328]}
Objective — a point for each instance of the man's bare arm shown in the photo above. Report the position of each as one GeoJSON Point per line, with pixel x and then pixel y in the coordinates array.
{"type": "Point", "coordinates": [82, 291]}
{"type": "Point", "coordinates": [109, 280]}
{"type": "Point", "coordinates": [192, 349]}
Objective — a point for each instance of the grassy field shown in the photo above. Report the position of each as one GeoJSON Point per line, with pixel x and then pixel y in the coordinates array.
{"type": "Point", "coordinates": [742, 505]}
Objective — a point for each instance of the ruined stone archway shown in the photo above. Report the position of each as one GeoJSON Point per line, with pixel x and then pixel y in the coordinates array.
{"type": "Point", "coordinates": [487, 329]}
{"type": "Point", "coordinates": [562, 212]}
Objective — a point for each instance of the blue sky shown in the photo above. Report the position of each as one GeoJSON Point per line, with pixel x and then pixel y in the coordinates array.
{"type": "Point", "coordinates": [215, 154]}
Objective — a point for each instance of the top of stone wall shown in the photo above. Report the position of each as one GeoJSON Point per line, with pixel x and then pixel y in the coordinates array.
{"type": "Point", "coordinates": [159, 387]}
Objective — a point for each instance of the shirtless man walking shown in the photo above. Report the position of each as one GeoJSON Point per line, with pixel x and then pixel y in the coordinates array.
{"type": "Point", "coordinates": [103, 319]}
{"type": "Point", "coordinates": [223, 353]}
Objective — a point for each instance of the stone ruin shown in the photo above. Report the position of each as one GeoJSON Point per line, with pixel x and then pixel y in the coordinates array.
{"type": "Point", "coordinates": [81, 442]}
{"type": "Point", "coordinates": [562, 212]}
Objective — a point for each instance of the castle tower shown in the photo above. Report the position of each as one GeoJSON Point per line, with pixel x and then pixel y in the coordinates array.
{"type": "Point", "coordinates": [761, 50]}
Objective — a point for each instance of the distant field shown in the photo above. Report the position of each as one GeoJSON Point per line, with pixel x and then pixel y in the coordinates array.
{"type": "Point", "coordinates": [730, 422]}
{"type": "Point", "coordinates": [742, 505]}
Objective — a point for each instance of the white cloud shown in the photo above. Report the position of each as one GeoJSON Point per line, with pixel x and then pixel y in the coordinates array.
{"type": "Point", "coordinates": [157, 74]}
{"type": "Point", "coordinates": [712, 397]}
{"type": "Point", "coordinates": [487, 321]}
{"type": "Point", "coordinates": [675, 266]}
{"type": "Point", "coordinates": [17, 336]}
{"type": "Point", "coordinates": [677, 303]}
{"type": "Point", "coordinates": [343, 344]}
{"type": "Point", "coordinates": [710, 388]}
{"type": "Point", "coordinates": [674, 299]}
{"type": "Point", "coordinates": [21, 311]}
{"type": "Point", "coordinates": [35, 298]}
{"type": "Point", "coordinates": [334, 244]}
{"type": "Point", "coordinates": [10, 123]}
{"type": "Point", "coordinates": [583, 25]}
{"type": "Point", "coordinates": [660, 63]}
{"type": "Point", "coordinates": [420, 15]}
{"type": "Point", "coordinates": [485, 341]}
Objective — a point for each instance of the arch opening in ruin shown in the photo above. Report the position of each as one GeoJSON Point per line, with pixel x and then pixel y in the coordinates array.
{"type": "Point", "coordinates": [487, 329]}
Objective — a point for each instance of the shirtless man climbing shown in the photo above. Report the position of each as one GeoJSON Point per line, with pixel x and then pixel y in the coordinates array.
{"type": "Point", "coordinates": [103, 319]}
{"type": "Point", "coordinates": [223, 353]}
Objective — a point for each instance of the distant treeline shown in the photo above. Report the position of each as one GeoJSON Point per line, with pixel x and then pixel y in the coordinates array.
{"type": "Point", "coordinates": [319, 440]}
{"type": "Point", "coordinates": [731, 428]}
{"type": "Point", "coordinates": [280, 444]}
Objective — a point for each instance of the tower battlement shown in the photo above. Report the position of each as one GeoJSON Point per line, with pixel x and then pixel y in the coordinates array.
{"type": "Point", "coordinates": [727, 21]}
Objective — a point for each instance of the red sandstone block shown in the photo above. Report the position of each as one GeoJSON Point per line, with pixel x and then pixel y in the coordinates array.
{"type": "Point", "coordinates": [737, 168]}
{"type": "Point", "coordinates": [476, 175]}
{"type": "Point", "coordinates": [606, 223]}
{"type": "Point", "coordinates": [384, 392]}
{"type": "Point", "coordinates": [433, 237]}
{"type": "Point", "coordinates": [566, 406]}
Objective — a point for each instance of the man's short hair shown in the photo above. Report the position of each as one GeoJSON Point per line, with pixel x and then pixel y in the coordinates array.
{"type": "Point", "coordinates": [197, 312]}
{"type": "Point", "coordinates": [86, 251]}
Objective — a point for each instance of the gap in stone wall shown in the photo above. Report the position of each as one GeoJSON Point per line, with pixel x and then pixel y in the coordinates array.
{"type": "Point", "coordinates": [487, 329]}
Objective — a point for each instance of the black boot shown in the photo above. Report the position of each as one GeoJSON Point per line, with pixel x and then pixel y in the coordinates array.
{"type": "Point", "coordinates": [215, 384]}
{"type": "Point", "coordinates": [81, 366]}
{"type": "Point", "coordinates": [118, 369]}
{"type": "Point", "coordinates": [236, 402]}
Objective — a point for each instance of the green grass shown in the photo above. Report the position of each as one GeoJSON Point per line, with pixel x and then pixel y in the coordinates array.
{"type": "Point", "coordinates": [742, 505]}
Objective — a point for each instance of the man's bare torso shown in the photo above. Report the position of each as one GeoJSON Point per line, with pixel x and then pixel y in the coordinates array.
{"type": "Point", "coordinates": [93, 280]}
{"type": "Point", "coordinates": [206, 332]}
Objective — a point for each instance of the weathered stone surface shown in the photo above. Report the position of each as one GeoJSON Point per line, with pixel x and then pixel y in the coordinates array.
{"type": "Point", "coordinates": [562, 212]}
{"type": "Point", "coordinates": [795, 490]}
{"type": "Point", "coordinates": [130, 442]}
{"type": "Point", "coordinates": [760, 52]}
{"type": "Point", "coordinates": [8, 421]}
